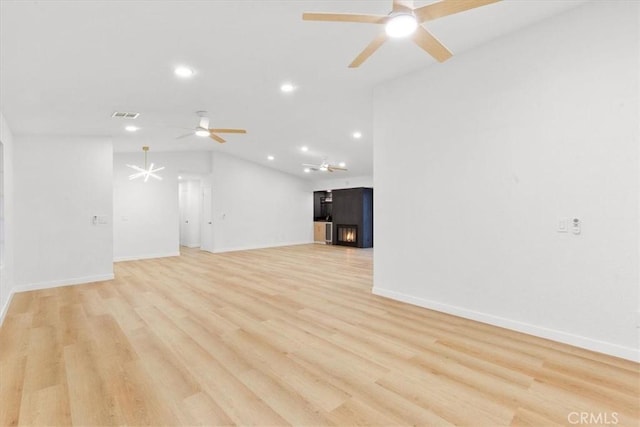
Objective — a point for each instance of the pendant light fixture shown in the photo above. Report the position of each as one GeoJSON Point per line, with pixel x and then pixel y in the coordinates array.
{"type": "Point", "coordinates": [145, 172]}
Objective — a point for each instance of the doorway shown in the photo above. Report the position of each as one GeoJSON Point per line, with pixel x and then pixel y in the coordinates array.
{"type": "Point", "coordinates": [190, 207]}
{"type": "Point", "coordinates": [206, 231]}
{"type": "Point", "coordinates": [195, 211]}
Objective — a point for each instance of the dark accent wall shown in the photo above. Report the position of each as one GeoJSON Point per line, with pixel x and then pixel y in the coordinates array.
{"type": "Point", "coordinates": [354, 206]}
{"type": "Point", "coordinates": [317, 196]}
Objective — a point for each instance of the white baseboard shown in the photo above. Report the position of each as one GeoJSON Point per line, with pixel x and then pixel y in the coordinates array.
{"type": "Point", "coordinates": [6, 305]}
{"type": "Point", "coordinates": [538, 331]}
{"type": "Point", "coordinates": [248, 248]}
{"type": "Point", "coordinates": [190, 245]}
{"type": "Point", "coordinates": [145, 256]}
{"type": "Point", "coordinates": [63, 282]}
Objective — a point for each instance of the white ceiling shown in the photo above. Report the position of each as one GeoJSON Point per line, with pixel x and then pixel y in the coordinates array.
{"type": "Point", "coordinates": [65, 66]}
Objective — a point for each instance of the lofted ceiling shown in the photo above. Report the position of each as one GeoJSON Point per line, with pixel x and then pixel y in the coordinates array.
{"type": "Point", "coordinates": [66, 66]}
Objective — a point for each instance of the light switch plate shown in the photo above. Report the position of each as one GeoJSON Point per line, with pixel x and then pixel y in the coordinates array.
{"type": "Point", "coordinates": [563, 225]}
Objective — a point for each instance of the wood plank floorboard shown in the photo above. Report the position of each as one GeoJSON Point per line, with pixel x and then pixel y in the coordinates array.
{"type": "Point", "coordinates": [283, 336]}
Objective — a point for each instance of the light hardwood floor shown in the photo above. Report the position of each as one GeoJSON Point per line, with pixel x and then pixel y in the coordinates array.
{"type": "Point", "coordinates": [283, 336]}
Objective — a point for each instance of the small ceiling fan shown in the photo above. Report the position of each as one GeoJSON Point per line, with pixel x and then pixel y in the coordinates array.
{"type": "Point", "coordinates": [203, 129]}
{"type": "Point", "coordinates": [324, 167]}
{"type": "Point", "coordinates": [404, 20]}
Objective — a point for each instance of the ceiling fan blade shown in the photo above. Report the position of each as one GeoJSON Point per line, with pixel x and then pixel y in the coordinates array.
{"type": "Point", "coordinates": [345, 17]}
{"type": "Point", "coordinates": [368, 51]}
{"type": "Point", "coordinates": [228, 130]}
{"type": "Point", "coordinates": [432, 45]}
{"type": "Point", "coordinates": [336, 168]}
{"type": "Point", "coordinates": [447, 7]}
{"type": "Point", "coordinates": [402, 5]}
{"type": "Point", "coordinates": [185, 135]}
{"type": "Point", "coordinates": [310, 165]}
{"type": "Point", "coordinates": [217, 138]}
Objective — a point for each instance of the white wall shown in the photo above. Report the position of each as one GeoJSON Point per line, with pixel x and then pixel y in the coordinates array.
{"type": "Point", "coordinates": [146, 215]}
{"type": "Point", "coordinates": [335, 183]}
{"type": "Point", "coordinates": [6, 271]}
{"type": "Point", "coordinates": [476, 160]}
{"type": "Point", "coordinates": [60, 183]}
{"type": "Point", "coordinates": [255, 206]}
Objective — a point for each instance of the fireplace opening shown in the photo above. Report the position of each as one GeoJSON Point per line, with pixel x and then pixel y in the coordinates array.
{"type": "Point", "coordinates": [347, 235]}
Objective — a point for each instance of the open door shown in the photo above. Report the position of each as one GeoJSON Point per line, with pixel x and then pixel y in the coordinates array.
{"type": "Point", "coordinates": [189, 202]}
{"type": "Point", "coordinates": [183, 193]}
{"type": "Point", "coordinates": [207, 220]}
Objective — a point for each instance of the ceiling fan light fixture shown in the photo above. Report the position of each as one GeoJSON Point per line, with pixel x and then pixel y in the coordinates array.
{"type": "Point", "coordinates": [401, 25]}
{"type": "Point", "coordinates": [202, 132]}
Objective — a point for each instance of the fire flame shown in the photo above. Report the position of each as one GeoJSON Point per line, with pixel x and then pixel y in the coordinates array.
{"type": "Point", "coordinates": [350, 236]}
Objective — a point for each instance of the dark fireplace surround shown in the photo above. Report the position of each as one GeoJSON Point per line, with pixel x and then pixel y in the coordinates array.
{"type": "Point", "coordinates": [353, 217]}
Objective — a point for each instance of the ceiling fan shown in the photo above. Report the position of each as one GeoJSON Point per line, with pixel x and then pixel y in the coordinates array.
{"type": "Point", "coordinates": [324, 167]}
{"type": "Point", "coordinates": [404, 20]}
{"type": "Point", "coordinates": [203, 129]}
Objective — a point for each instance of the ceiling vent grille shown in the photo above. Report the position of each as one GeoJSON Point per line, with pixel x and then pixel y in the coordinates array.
{"type": "Point", "coordinates": [125, 115]}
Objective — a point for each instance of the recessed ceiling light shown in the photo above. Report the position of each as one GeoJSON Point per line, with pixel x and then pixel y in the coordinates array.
{"type": "Point", "coordinates": [270, 157]}
{"type": "Point", "coordinates": [287, 87]}
{"type": "Point", "coordinates": [401, 25]}
{"type": "Point", "coordinates": [357, 135]}
{"type": "Point", "coordinates": [184, 72]}
{"type": "Point", "coordinates": [307, 170]}
{"type": "Point", "coordinates": [179, 177]}
{"type": "Point", "coordinates": [342, 164]}
{"type": "Point", "coordinates": [131, 128]}
{"type": "Point", "coordinates": [305, 149]}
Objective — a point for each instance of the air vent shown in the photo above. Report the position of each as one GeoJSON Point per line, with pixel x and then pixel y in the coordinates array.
{"type": "Point", "coordinates": [125, 115]}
